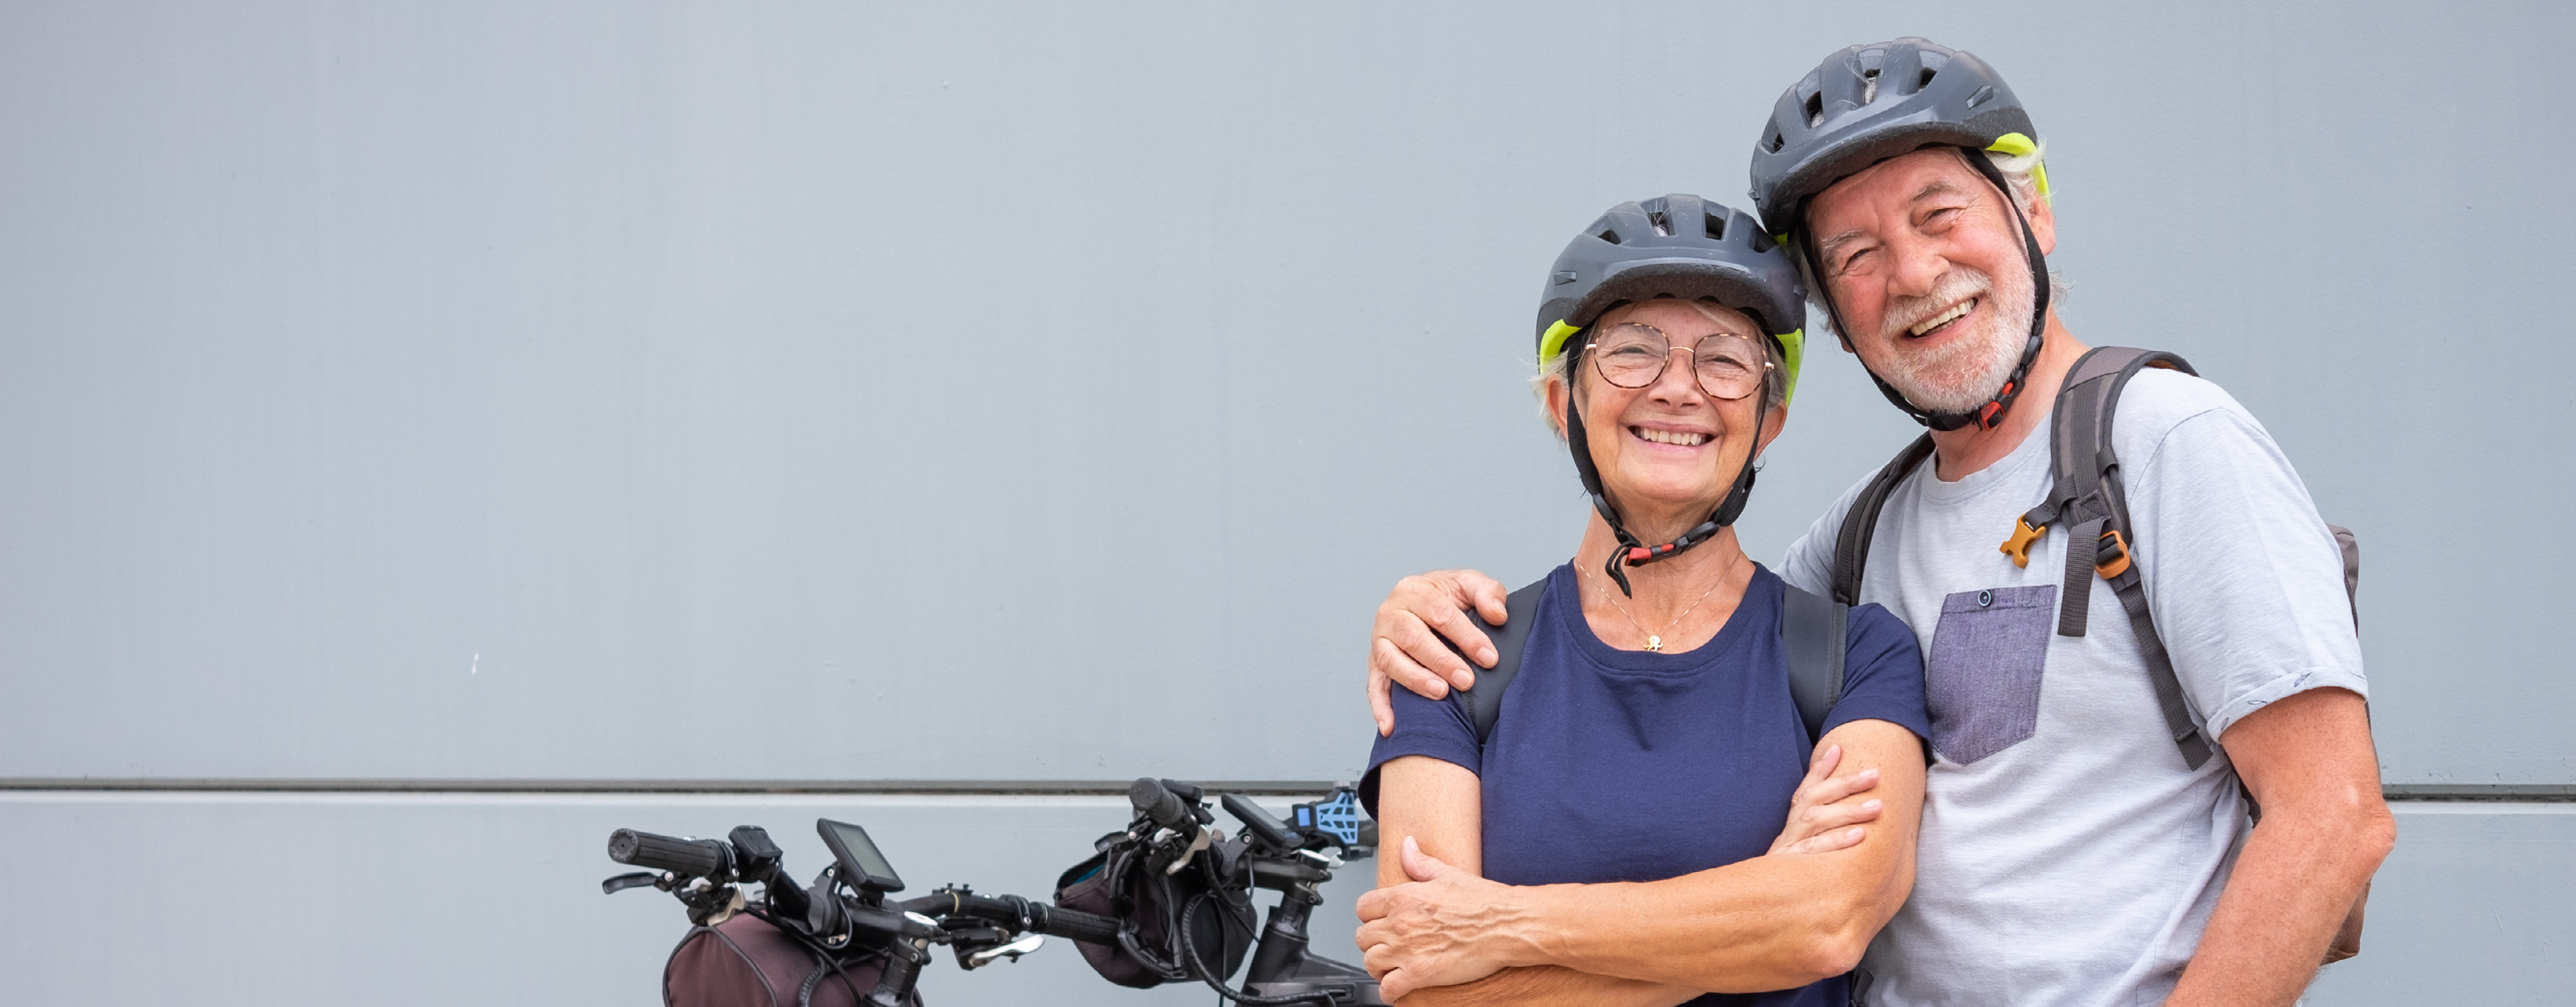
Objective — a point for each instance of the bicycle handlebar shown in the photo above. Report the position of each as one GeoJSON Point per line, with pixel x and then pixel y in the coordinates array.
{"type": "Point", "coordinates": [1260, 822]}
{"type": "Point", "coordinates": [1019, 914]}
{"type": "Point", "coordinates": [983, 928]}
{"type": "Point", "coordinates": [698, 858]}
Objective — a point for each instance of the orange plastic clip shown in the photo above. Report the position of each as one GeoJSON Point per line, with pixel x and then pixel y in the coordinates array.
{"type": "Point", "coordinates": [2112, 556]}
{"type": "Point", "coordinates": [2018, 546]}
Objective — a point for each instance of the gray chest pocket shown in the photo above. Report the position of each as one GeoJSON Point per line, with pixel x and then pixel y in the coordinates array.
{"type": "Point", "coordinates": [1982, 681]}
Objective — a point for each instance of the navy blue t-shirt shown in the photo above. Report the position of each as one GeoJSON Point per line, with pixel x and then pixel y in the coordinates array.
{"type": "Point", "coordinates": [1618, 765]}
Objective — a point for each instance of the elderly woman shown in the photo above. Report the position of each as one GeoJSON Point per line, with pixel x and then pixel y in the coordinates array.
{"type": "Point", "coordinates": [1618, 831]}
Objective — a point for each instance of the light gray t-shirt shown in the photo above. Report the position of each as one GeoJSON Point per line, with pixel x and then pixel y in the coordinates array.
{"type": "Point", "coordinates": [2068, 855]}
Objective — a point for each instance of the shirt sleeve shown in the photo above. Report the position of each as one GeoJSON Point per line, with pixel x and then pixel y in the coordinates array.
{"type": "Point", "coordinates": [1440, 728]}
{"type": "Point", "coordinates": [2243, 578]}
{"type": "Point", "coordinates": [1882, 674]}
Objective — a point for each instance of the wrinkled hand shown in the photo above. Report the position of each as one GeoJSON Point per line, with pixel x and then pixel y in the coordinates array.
{"type": "Point", "coordinates": [1405, 647]}
{"type": "Point", "coordinates": [1444, 928]}
{"type": "Point", "coordinates": [1822, 816]}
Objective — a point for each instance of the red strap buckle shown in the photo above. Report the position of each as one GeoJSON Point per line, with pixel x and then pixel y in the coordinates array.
{"type": "Point", "coordinates": [1644, 554]}
{"type": "Point", "coordinates": [1988, 414]}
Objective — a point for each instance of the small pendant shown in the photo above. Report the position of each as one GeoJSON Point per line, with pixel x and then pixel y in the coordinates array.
{"type": "Point", "coordinates": [1654, 643]}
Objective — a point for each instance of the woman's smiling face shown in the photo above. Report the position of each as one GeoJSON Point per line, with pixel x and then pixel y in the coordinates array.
{"type": "Point", "coordinates": [1668, 452]}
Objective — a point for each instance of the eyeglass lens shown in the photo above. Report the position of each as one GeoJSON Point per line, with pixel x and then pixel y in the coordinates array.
{"type": "Point", "coordinates": [1633, 355]}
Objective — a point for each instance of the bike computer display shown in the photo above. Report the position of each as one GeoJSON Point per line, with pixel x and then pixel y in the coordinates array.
{"type": "Point", "coordinates": [861, 865]}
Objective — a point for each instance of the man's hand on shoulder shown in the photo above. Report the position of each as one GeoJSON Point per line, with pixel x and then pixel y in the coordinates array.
{"type": "Point", "coordinates": [1405, 647]}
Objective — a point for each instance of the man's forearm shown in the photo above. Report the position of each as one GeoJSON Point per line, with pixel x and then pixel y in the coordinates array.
{"type": "Point", "coordinates": [1549, 984]}
{"type": "Point", "coordinates": [2298, 877]}
{"type": "Point", "coordinates": [2308, 758]}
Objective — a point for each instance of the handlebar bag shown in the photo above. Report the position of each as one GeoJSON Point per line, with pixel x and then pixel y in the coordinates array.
{"type": "Point", "coordinates": [1118, 882]}
{"type": "Point", "coordinates": [744, 961]}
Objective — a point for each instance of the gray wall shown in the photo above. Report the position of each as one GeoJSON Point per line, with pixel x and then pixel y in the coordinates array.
{"type": "Point", "coordinates": [1047, 393]}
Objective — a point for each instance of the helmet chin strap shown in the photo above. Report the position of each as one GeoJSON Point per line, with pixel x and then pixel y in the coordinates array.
{"type": "Point", "coordinates": [1631, 551]}
{"type": "Point", "coordinates": [1991, 414]}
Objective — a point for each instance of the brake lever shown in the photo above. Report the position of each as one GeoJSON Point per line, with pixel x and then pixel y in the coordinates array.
{"type": "Point", "coordinates": [1325, 859]}
{"type": "Point", "coordinates": [1205, 838]}
{"type": "Point", "coordinates": [710, 903]}
{"type": "Point", "coordinates": [622, 882]}
{"type": "Point", "coordinates": [1012, 951]}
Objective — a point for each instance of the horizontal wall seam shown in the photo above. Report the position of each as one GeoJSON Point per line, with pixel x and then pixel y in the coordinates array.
{"type": "Point", "coordinates": [2478, 791]}
{"type": "Point", "coordinates": [1042, 788]}
{"type": "Point", "coordinates": [2523, 792]}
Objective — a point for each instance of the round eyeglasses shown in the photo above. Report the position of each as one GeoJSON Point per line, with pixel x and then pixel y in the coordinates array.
{"type": "Point", "coordinates": [1633, 355]}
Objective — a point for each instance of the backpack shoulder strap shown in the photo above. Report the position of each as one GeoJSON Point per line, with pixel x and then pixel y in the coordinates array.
{"type": "Point", "coordinates": [2350, 546]}
{"type": "Point", "coordinates": [1860, 523]}
{"type": "Point", "coordinates": [1813, 629]}
{"type": "Point", "coordinates": [2084, 493]}
{"type": "Point", "coordinates": [2085, 496]}
{"type": "Point", "coordinates": [1485, 701]}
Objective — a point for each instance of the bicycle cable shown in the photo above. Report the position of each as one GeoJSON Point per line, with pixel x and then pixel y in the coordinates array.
{"type": "Point", "coordinates": [1190, 955]}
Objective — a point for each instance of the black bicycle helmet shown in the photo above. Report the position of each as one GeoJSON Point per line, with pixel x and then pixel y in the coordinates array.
{"type": "Point", "coordinates": [1678, 246]}
{"type": "Point", "coordinates": [1869, 103]}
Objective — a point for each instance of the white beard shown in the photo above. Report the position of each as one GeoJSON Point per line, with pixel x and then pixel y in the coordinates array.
{"type": "Point", "coordinates": [1966, 372]}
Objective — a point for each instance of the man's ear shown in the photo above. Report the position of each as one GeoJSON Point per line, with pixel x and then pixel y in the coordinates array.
{"type": "Point", "coordinates": [2043, 224]}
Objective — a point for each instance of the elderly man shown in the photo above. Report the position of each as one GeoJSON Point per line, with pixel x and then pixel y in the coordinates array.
{"type": "Point", "coordinates": [2074, 848]}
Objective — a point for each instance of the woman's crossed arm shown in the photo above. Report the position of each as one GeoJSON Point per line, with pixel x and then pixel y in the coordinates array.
{"type": "Point", "coordinates": [1768, 923]}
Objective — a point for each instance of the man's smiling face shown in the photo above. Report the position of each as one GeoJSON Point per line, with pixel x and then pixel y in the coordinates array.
{"type": "Point", "coordinates": [1929, 275]}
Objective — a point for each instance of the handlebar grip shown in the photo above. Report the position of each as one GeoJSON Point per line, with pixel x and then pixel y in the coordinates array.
{"type": "Point", "coordinates": [1005, 909]}
{"type": "Point", "coordinates": [697, 858]}
{"type": "Point", "coordinates": [1076, 925]}
{"type": "Point", "coordinates": [1158, 803]}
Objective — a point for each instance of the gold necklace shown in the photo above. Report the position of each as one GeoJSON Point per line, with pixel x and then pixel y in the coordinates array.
{"type": "Point", "coordinates": [1655, 642]}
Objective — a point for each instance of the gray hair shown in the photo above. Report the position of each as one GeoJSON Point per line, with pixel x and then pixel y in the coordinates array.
{"type": "Point", "coordinates": [2021, 174]}
{"type": "Point", "coordinates": [1775, 379]}
{"type": "Point", "coordinates": [2022, 171]}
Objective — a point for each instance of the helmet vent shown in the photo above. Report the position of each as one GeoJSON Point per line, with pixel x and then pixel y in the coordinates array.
{"type": "Point", "coordinates": [1926, 78]}
{"type": "Point", "coordinates": [1716, 227]}
{"type": "Point", "coordinates": [1869, 85]}
{"type": "Point", "coordinates": [1778, 141]}
{"type": "Point", "coordinates": [1815, 110]}
{"type": "Point", "coordinates": [1983, 95]}
{"type": "Point", "coordinates": [1609, 234]}
{"type": "Point", "coordinates": [1663, 224]}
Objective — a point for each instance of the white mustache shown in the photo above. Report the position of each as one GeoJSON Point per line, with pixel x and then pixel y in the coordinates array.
{"type": "Point", "coordinates": [1959, 284]}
